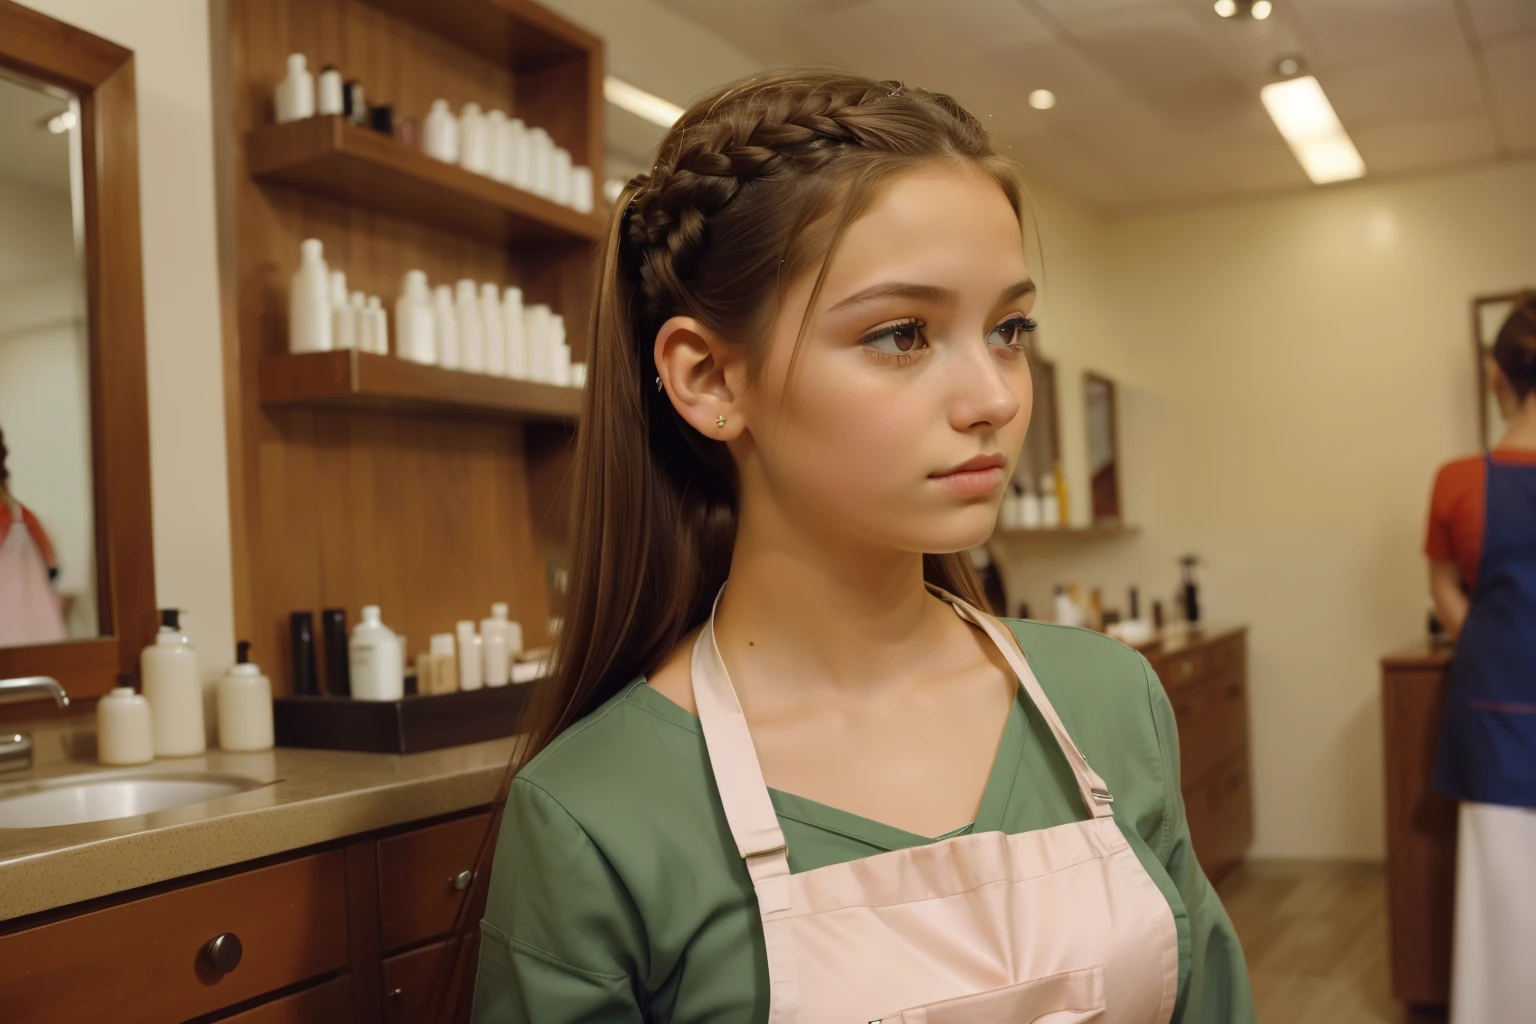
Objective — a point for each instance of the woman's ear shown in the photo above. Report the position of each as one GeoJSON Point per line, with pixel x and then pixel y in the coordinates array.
{"type": "Point", "coordinates": [702, 376]}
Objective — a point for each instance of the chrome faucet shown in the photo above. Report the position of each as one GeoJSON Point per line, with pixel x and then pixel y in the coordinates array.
{"type": "Point", "coordinates": [16, 747]}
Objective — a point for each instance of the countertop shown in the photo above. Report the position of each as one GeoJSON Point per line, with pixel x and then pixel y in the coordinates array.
{"type": "Point", "coordinates": [307, 797]}
{"type": "Point", "coordinates": [1422, 654]}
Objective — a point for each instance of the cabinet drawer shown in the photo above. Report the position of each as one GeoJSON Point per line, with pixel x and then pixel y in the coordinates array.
{"type": "Point", "coordinates": [420, 879]}
{"type": "Point", "coordinates": [1229, 655]}
{"type": "Point", "coordinates": [330, 1003]}
{"type": "Point", "coordinates": [409, 979]}
{"type": "Point", "coordinates": [147, 960]}
{"type": "Point", "coordinates": [1180, 670]}
{"type": "Point", "coordinates": [1220, 814]}
{"type": "Point", "coordinates": [1213, 722]}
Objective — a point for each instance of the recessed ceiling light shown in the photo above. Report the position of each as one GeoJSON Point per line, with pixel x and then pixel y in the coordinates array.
{"type": "Point", "coordinates": [1287, 66]}
{"type": "Point", "coordinates": [61, 123]}
{"type": "Point", "coordinates": [641, 103]}
{"type": "Point", "coordinates": [1304, 116]}
{"type": "Point", "coordinates": [1226, 8]}
{"type": "Point", "coordinates": [1261, 9]}
{"type": "Point", "coordinates": [1042, 99]}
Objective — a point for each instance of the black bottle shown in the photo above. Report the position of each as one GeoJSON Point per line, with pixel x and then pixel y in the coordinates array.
{"type": "Point", "coordinates": [333, 630]}
{"type": "Point", "coordinates": [301, 634]}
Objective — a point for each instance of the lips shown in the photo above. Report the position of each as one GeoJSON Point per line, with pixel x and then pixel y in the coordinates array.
{"type": "Point", "coordinates": [975, 463]}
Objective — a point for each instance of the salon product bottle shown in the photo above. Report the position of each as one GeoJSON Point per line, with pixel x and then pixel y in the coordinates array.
{"type": "Point", "coordinates": [415, 337]}
{"type": "Point", "coordinates": [494, 326]}
{"type": "Point", "coordinates": [581, 189]}
{"type": "Point", "coordinates": [1008, 509]}
{"type": "Point", "coordinates": [309, 306]}
{"type": "Point", "coordinates": [445, 668]}
{"type": "Point", "coordinates": [559, 353]}
{"type": "Point", "coordinates": [561, 175]}
{"type": "Point", "coordinates": [543, 156]}
{"type": "Point", "coordinates": [245, 704]}
{"type": "Point", "coordinates": [493, 646]}
{"type": "Point", "coordinates": [378, 327]}
{"type": "Point", "coordinates": [354, 104]}
{"type": "Point", "coordinates": [1031, 512]}
{"type": "Point", "coordinates": [1134, 604]}
{"type": "Point", "coordinates": [446, 318]}
{"type": "Point", "coordinates": [375, 663]}
{"type": "Point", "coordinates": [333, 633]}
{"type": "Point", "coordinates": [1063, 497]}
{"type": "Point", "coordinates": [328, 98]}
{"type": "Point", "coordinates": [124, 733]}
{"type": "Point", "coordinates": [1067, 612]}
{"type": "Point", "coordinates": [343, 319]}
{"type": "Point", "coordinates": [1190, 590]}
{"type": "Point", "coordinates": [294, 98]}
{"type": "Point", "coordinates": [169, 670]}
{"type": "Point", "coordinates": [516, 330]}
{"type": "Point", "coordinates": [471, 327]}
{"type": "Point", "coordinates": [536, 336]}
{"type": "Point", "coordinates": [440, 133]}
{"type": "Point", "coordinates": [382, 119]}
{"type": "Point", "coordinates": [1050, 503]}
{"type": "Point", "coordinates": [474, 150]}
{"type": "Point", "coordinates": [301, 652]}
{"type": "Point", "coordinates": [578, 375]}
{"type": "Point", "coordinates": [357, 302]}
{"type": "Point", "coordinates": [522, 154]}
{"type": "Point", "coordinates": [499, 142]}
{"type": "Point", "coordinates": [471, 660]}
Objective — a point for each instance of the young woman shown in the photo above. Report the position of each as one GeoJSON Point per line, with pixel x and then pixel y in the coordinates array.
{"type": "Point", "coordinates": [1482, 539]}
{"type": "Point", "coordinates": [31, 611]}
{"type": "Point", "coordinates": [830, 789]}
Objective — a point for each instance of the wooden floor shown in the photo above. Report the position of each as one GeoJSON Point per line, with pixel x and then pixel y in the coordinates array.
{"type": "Point", "coordinates": [1316, 943]}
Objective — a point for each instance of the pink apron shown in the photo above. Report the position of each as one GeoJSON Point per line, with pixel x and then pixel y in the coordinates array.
{"type": "Point", "coordinates": [1057, 925]}
{"type": "Point", "coordinates": [29, 606]}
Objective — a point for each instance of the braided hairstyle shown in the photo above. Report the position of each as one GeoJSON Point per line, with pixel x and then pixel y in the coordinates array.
{"type": "Point", "coordinates": [1514, 348]}
{"type": "Point", "coordinates": [751, 189]}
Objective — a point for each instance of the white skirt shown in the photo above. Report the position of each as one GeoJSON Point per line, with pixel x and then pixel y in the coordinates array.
{"type": "Point", "coordinates": [1493, 974]}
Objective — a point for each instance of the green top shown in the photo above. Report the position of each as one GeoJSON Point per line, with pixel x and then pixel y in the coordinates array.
{"type": "Point", "coordinates": [617, 893]}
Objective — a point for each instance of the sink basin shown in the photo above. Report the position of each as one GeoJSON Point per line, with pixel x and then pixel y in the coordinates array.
{"type": "Point", "coordinates": [80, 798]}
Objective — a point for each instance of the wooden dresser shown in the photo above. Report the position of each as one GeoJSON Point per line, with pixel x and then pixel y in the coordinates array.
{"type": "Point", "coordinates": [1206, 677]}
{"type": "Point", "coordinates": [1421, 825]}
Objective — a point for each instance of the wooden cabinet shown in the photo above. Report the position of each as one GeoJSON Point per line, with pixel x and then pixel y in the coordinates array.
{"type": "Point", "coordinates": [1207, 683]}
{"type": "Point", "coordinates": [344, 933]}
{"type": "Point", "coordinates": [1421, 827]}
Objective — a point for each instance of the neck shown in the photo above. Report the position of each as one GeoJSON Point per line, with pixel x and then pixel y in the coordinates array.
{"type": "Point", "coordinates": [806, 613]}
{"type": "Point", "coordinates": [1522, 425]}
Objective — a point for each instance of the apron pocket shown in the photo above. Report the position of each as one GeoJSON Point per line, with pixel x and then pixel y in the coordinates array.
{"type": "Point", "coordinates": [1059, 999]}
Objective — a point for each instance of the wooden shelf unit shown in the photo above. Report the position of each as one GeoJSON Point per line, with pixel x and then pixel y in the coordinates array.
{"type": "Point", "coordinates": [1102, 531]}
{"type": "Point", "coordinates": [363, 380]}
{"type": "Point", "coordinates": [363, 479]}
{"type": "Point", "coordinates": [332, 157]}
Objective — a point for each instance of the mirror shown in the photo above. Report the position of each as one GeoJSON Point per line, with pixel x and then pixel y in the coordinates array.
{"type": "Point", "coordinates": [48, 589]}
{"type": "Point", "coordinates": [1041, 444]}
{"type": "Point", "coordinates": [1488, 315]}
{"type": "Point", "coordinates": [1103, 449]}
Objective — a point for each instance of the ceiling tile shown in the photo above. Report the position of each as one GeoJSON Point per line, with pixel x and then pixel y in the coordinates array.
{"type": "Point", "coordinates": [1512, 73]}
{"type": "Point", "coordinates": [1433, 86]}
{"type": "Point", "coordinates": [1065, 164]}
{"type": "Point", "coordinates": [1492, 18]}
{"type": "Point", "coordinates": [1356, 33]}
{"type": "Point", "coordinates": [1393, 147]}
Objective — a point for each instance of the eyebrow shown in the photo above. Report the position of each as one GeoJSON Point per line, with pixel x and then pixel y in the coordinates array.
{"type": "Point", "coordinates": [927, 293]}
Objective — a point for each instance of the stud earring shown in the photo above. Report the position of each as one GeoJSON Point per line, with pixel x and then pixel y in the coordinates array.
{"type": "Point", "coordinates": [720, 421]}
{"type": "Point", "coordinates": [658, 382]}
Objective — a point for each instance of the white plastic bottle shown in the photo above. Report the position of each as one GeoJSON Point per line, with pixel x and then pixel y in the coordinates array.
{"type": "Point", "coordinates": [415, 337]}
{"type": "Point", "coordinates": [499, 142]}
{"type": "Point", "coordinates": [471, 660]}
{"type": "Point", "coordinates": [493, 646]}
{"type": "Point", "coordinates": [445, 316]}
{"type": "Point", "coordinates": [494, 326]}
{"type": "Point", "coordinates": [543, 148]}
{"type": "Point", "coordinates": [359, 305]}
{"type": "Point", "coordinates": [374, 660]}
{"type": "Point", "coordinates": [1067, 611]}
{"type": "Point", "coordinates": [536, 335]}
{"type": "Point", "coordinates": [124, 734]}
{"type": "Point", "coordinates": [445, 673]}
{"type": "Point", "coordinates": [581, 189]}
{"type": "Point", "coordinates": [378, 327]}
{"type": "Point", "coordinates": [309, 306]}
{"type": "Point", "coordinates": [471, 327]}
{"type": "Point", "coordinates": [294, 98]}
{"type": "Point", "coordinates": [522, 154]}
{"type": "Point", "coordinates": [169, 670]}
{"type": "Point", "coordinates": [560, 353]}
{"type": "Point", "coordinates": [1031, 514]}
{"type": "Point", "coordinates": [1050, 508]}
{"type": "Point", "coordinates": [474, 150]}
{"type": "Point", "coordinates": [440, 133]}
{"type": "Point", "coordinates": [1008, 511]}
{"type": "Point", "coordinates": [516, 333]}
{"type": "Point", "coordinates": [245, 704]}
{"type": "Point", "coordinates": [328, 98]}
{"type": "Point", "coordinates": [562, 164]}
{"type": "Point", "coordinates": [343, 320]}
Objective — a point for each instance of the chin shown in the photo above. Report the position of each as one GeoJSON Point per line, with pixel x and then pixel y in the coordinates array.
{"type": "Point", "coordinates": [960, 530]}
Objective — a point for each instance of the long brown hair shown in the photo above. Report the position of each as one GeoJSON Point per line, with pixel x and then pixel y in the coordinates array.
{"type": "Point", "coordinates": [1514, 347]}
{"type": "Point", "coordinates": [752, 187]}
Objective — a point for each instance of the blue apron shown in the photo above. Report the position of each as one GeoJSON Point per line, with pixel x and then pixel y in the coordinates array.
{"type": "Point", "coordinates": [1488, 740]}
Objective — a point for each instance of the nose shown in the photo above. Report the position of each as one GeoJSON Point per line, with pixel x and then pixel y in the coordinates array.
{"type": "Point", "coordinates": [985, 393]}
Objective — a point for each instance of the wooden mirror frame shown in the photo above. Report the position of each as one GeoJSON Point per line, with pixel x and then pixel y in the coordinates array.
{"type": "Point", "coordinates": [100, 73]}
{"type": "Point", "coordinates": [1479, 350]}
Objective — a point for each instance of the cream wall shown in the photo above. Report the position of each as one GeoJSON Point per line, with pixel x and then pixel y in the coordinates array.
{"type": "Point", "coordinates": [1292, 371]}
{"type": "Point", "coordinates": [188, 484]}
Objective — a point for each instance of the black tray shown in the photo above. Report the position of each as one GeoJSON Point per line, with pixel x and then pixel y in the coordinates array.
{"type": "Point", "coordinates": [405, 726]}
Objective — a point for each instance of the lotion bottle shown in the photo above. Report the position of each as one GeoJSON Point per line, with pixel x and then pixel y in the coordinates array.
{"type": "Point", "coordinates": [309, 306]}
{"type": "Point", "coordinates": [445, 671]}
{"type": "Point", "coordinates": [499, 141]}
{"type": "Point", "coordinates": [522, 154]}
{"type": "Point", "coordinates": [474, 153]}
{"type": "Point", "coordinates": [245, 705]}
{"type": "Point", "coordinates": [562, 176]}
{"type": "Point", "coordinates": [560, 353]}
{"type": "Point", "coordinates": [294, 98]}
{"type": "Point", "coordinates": [581, 189]}
{"type": "Point", "coordinates": [1050, 504]}
{"type": "Point", "coordinates": [1031, 514]}
{"type": "Point", "coordinates": [440, 133]}
{"type": "Point", "coordinates": [375, 663]}
{"type": "Point", "coordinates": [543, 156]}
{"type": "Point", "coordinates": [124, 734]}
{"type": "Point", "coordinates": [378, 327]}
{"type": "Point", "coordinates": [446, 317]}
{"type": "Point", "coordinates": [536, 335]}
{"type": "Point", "coordinates": [516, 333]}
{"type": "Point", "coordinates": [343, 319]}
{"type": "Point", "coordinates": [494, 326]}
{"type": "Point", "coordinates": [328, 100]}
{"type": "Point", "coordinates": [415, 337]}
{"type": "Point", "coordinates": [470, 657]}
{"type": "Point", "coordinates": [471, 328]}
{"type": "Point", "coordinates": [169, 670]}
{"type": "Point", "coordinates": [493, 646]}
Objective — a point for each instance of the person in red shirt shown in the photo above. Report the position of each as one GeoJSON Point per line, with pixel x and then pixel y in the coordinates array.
{"type": "Point", "coordinates": [1482, 551]}
{"type": "Point", "coordinates": [30, 609]}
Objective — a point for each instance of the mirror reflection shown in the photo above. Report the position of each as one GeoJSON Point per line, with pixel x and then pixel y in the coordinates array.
{"type": "Point", "coordinates": [48, 587]}
{"type": "Point", "coordinates": [1103, 463]}
{"type": "Point", "coordinates": [1488, 316]}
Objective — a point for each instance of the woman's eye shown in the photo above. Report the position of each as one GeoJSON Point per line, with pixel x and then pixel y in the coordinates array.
{"type": "Point", "coordinates": [898, 339]}
{"type": "Point", "coordinates": [1013, 332]}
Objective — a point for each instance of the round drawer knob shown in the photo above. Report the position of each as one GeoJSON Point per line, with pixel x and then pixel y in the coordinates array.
{"type": "Point", "coordinates": [462, 879]}
{"type": "Point", "coordinates": [224, 952]}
